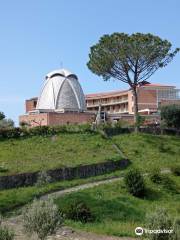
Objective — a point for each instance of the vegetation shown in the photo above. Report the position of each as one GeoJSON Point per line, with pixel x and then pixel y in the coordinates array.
{"type": "Point", "coordinates": [176, 169]}
{"type": "Point", "coordinates": [49, 152]}
{"type": "Point", "coordinates": [159, 219]}
{"type": "Point", "coordinates": [117, 212]}
{"type": "Point", "coordinates": [43, 179]}
{"type": "Point", "coordinates": [171, 115]}
{"type": "Point", "coordinates": [13, 198]}
{"type": "Point", "coordinates": [78, 211]}
{"type": "Point", "coordinates": [5, 123]}
{"type": "Point", "coordinates": [156, 176]}
{"type": "Point", "coordinates": [42, 218]}
{"type": "Point", "coordinates": [5, 233]}
{"type": "Point", "coordinates": [130, 58]}
{"type": "Point", "coordinates": [134, 182]}
{"type": "Point", "coordinates": [147, 151]}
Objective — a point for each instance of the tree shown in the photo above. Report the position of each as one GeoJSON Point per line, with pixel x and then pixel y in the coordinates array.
{"type": "Point", "coordinates": [131, 59]}
{"type": "Point", "coordinates": [171, 115]}
{"type": "Point", "coordinates": [2, 116]}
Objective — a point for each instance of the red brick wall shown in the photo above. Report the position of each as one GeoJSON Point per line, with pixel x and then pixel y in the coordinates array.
{"type": "Point", "coordinates": [35, 119]}
{"type": "Point", "coordinates": [43, 119]}
{"type": "Point", "coordinates": [64, 118]}
{"type": "Point", "coordinates": [31, 104]}
{"type": "Point", "coordinates": [147, 99]}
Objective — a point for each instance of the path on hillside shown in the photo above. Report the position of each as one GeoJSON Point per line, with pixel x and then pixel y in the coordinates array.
{"type": "Point", "coordinates": [60, 193]}
{"type": "Point", "coordinates": [79, 187]}
{"type": "Point", "coordinates": [67, 233]}
{"type": "Point", "coordinates": [64, 233]}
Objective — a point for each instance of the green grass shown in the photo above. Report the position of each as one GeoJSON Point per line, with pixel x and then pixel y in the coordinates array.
{"type": "Point", "coordinates": [12, 199]}
{"type": "Point", "coordinates": [42, 153]}
{"type": "Point", "coordinates": [119, 213]}
{"type": "Point", "coordinates": [148, 151]}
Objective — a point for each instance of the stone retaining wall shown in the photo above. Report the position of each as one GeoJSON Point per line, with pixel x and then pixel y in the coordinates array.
{"type": "Point", "coordinates": [84, 171]}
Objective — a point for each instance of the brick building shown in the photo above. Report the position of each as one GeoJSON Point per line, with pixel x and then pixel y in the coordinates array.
{"type": "Point", "coordinates": [62, 101]}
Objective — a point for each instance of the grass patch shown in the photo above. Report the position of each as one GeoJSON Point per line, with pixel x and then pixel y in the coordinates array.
{"type": "Point", "coordinates": [147, 151]}
{"type": "Point", "coordinates": [43, 153]}
{"type": "Point", "coordinates": [117, 212]}
{"type": "Point", "coordinates": [14, 198]}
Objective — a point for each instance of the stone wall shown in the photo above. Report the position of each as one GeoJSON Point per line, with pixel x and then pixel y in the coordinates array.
{"type": "Point", "coordinates": [84, 171]}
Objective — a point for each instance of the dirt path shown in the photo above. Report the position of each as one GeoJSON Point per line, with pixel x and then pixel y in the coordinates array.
{"type": "Point", "coordinates": [65, 233]}
{"type": "Point", "coordinates": [80, 187]}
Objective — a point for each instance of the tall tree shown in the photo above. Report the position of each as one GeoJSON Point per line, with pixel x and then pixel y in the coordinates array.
{"type": "Point", "coordinates": [131, 59]}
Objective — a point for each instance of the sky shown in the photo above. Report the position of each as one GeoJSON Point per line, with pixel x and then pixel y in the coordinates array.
{"type": "Point", "coordinates": [38, 36]}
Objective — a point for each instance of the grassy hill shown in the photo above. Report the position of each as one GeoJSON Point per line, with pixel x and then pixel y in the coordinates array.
{"type": "Point", "coordinates": [117, 212]}
{"type": "Point", "coordinates": [147, 151]}
{"type": "Point", "coordinates": [42, 153]}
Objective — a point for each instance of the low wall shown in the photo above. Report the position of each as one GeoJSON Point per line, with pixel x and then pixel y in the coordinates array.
{"type": "Point", "coordinates": [84, 171]}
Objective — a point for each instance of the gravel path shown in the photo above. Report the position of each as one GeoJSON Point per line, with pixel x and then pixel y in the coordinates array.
{"type": "Point", "coordinates": [80, 187]}
{"type": "Point", "coordinates": [64, 233]}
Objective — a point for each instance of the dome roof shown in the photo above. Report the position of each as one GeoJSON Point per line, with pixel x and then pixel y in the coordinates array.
{"type": "Point", "coordinates": [61, 92]}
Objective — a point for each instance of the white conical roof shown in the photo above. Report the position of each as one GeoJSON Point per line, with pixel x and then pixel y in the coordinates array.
{"type": "Point", "coordinates": [61, 92]}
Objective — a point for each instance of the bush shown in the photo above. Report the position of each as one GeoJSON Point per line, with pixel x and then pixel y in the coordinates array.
{"type": "Point", "coordinates": [78, 211]}
{"type": "Point", "coordinates": [134, 182]}
{"type": "Point", "coordinates": [156, 176]}
{"type": "Point", "coordinates": [176, 229]}
{"type": "Point", "coordinates": [6, 234]}
{"type": "Point", "coordinates": [42, 218]}
{"type": "Point", "coordinates": [159, 219]}
{"type": "Point", "coordinates": [176, 170]}
{"type": "Point", "coordinates": [171, 115]}
{"type": "Point", "coordinates": [43, 179]}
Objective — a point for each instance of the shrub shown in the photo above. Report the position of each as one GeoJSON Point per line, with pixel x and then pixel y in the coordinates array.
{"type": "Point", "coordinates": [169, 184]}
{"type": "Point", "coordinates": [159, 219]}
{"type": "Point", "coordinates": [78, 211]}
{"type": "Point", "coordinates": [43, 179]}
{"type": "Point", "coordinates": [156, 176]}
{"type": "Point", "coordinates": [176, 229]}
{"type": "Point", "coordinates": [42, 218]}
{"type": "Point", "coordinates": [6, 234]}
{"type": "Point", "coordinates": [134, 182]}
{"type": "Point", "coordinates": [176, 170]}
{"type": "Point", "coordinates": [171, 115]}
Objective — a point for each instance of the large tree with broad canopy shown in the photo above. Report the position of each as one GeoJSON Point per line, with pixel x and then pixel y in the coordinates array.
{"type": "Point", "coordinates": [131, 59]}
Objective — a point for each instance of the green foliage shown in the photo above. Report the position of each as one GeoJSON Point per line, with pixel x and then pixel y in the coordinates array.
{"type": "Point", "coordinates": [6, 123]}
{"type": "Point", "coordinates": [159, 219]}
{"type": "Point", "coordinates": [117, 212]}
{"type": "Point", "coordinates": [42, 218]}
{"type": "Point", "coordinates": [134, 182]}
{"type": "Point", "coordinates": [176, 169]}
{"type": "Point", "coordinates": [156, 176]}
{"type": "Point", "coordinates": [171, 115]}
{"type": "Point", "coordinates": [176, 229]}
{"type": "Point", "coordinates": [131, 59]}
{"type": "Point", "coordinates": [78, 211]}
{"type": "Point", "coordinates": [43, 179]}
{"type": "Point", "coordinates": [140, 120]}
{"type": "Point", "coordinates": [6, 234]}
{"type": "Point", "coordinates": [7, 133]}
{"type": "Point", "coordinates": [121, 56]}
{"type": "Point", "coordinates": [2, 116]}
{"type": "Point", "coordinates": [41, 153]}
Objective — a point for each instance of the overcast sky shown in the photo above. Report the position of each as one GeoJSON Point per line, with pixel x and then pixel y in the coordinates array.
{"type": "Point", "coordinates": [38, 36]}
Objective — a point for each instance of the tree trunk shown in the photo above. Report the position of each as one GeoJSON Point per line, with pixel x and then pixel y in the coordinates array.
{"type": "Point", "coordinates": [135, 109]}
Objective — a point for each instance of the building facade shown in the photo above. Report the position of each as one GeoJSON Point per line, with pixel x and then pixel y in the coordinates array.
{"type": "Point", "coordinates": [62, 101]}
